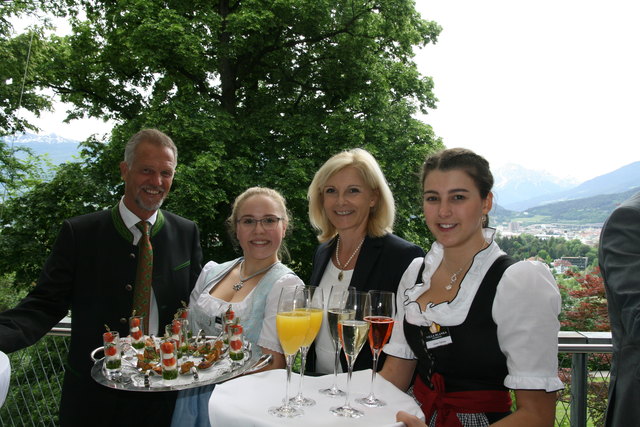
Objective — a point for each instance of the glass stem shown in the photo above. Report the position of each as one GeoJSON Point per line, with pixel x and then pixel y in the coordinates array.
{"type": "Point", "coordinates": [289, 358]}
{"type": "Point", "coordinates": [350, 371]}
{"type": "Point", "coordinates": [303, 360]}
{"type": "Point", "coordinates": [374, 372]}
{"type": "Point", "coordinates": [336, 363]}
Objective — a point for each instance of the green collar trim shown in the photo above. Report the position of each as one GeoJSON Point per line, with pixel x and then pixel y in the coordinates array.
{"type": "Point", "coordinates": [125, 232]}
{"type": "Point", "coordinates": [119, 224]}
{"type": "Point", "coordinates": [157, 226]}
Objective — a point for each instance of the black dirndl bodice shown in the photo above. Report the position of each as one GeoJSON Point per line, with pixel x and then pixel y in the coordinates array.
{"type": "Point", "coordinates": [473, 361]}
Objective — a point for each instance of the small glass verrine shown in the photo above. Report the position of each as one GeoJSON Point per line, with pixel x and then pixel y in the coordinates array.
{"type": "Point", "coordinates": [136, 332]}
{"type": "Point", "coordinates": [169, 359]}
{"type": "Point", "coordinates": [112, 354]}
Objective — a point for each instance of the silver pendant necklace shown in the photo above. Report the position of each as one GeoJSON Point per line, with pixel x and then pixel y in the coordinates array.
{"type": "Point", "coordinates": [340, 266]}
{"type": "Point", "coordinates": [454, 277]}
{"type": "Point", "coordinates": [240, 284]}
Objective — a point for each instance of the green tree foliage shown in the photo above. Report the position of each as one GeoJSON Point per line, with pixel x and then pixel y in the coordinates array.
{"type": "Point", "coordinates": [253, 92]}
{"type": "Point", "coordinates": [19, 87]}
{"type": "Point", "coordinates": [17, 173]}
{"type": "Point", "coordinates": [8, 296]}
{"type": "Point", "coordinates": [526, 246]}
{"type": "Point", "coordinates": [36, 216]}
{"type": "Point", "coordinates": [17, 90]}
{"type": "Point", "coordinates": [36, 379]}
{"type": "Point", "coordinates": [586, 310]}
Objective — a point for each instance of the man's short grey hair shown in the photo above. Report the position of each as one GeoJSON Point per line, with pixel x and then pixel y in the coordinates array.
{"type": "Point", "coordinates": [153, 136]}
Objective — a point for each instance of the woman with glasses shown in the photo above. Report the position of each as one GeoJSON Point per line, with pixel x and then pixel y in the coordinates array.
{"type": "Point", "coordinates": [352, 208]}
{"type": "Point", "coordinates": [251, 284]}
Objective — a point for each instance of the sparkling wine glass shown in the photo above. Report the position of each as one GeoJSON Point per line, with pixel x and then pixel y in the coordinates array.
{"type": "Point", "coordinates": [379, 315]}
{"type": "Point", "coordinates": [315, 305]}
{"type": "Point", "coordinates": [353, 333]}
{"type": "Point", "coordinates": [336, 310]}
{"type": "Point", "coordinates": [292, 323]}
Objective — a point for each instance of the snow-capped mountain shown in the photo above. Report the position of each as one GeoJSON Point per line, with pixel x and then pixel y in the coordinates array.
{"type": "Point", "coordinates": [31, 138]}
{"type": "Point", "coordinates": [514, 184]}
{"type": "Point", "coordinates": [618, 181]}
{"type": "Point", "coordinates": [57, 148]}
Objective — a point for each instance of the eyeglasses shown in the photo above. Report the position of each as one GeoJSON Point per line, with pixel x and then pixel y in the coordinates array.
{"type": "Point", "coordinates": [268, 222]}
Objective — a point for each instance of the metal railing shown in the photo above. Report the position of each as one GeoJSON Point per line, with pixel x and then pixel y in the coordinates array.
{"type": "Point", "coordinates": [588, 377]}
{"type": "Point", "coordinates": [37, 379]}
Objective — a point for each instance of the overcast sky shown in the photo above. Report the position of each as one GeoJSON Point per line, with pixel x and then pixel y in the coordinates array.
{"type": "Point", "coordinates": [548, 84]}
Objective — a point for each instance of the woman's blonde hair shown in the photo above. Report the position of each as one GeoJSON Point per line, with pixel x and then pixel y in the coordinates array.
{"type": "Point", "coordinates": [381, 216]}
{"type": "Point", "coordinates": [274, 195]}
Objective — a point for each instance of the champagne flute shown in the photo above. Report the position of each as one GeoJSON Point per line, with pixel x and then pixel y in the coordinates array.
{"type": "Point", "coordinates": [336, 310]}
{"type": "Point", "coordinates": [380, 314]}
{"type": "Point", "coordinates": [315, 304]}
{"type": "Point", "coordinates": [292, 322]}
{"type": "Point", "coordinates": [353, 334]}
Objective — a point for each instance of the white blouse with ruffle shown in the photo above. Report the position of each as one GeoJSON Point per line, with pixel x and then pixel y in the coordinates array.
{"type": "Point", "coordinates": [525, 309]}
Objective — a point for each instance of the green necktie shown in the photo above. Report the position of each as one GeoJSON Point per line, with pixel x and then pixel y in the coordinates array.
{"type": "Point", "coordinates": [142, 292]}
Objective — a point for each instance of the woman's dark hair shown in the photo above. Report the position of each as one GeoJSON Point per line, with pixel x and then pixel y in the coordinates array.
{"type": "Point", "coordinates": [466, 160]}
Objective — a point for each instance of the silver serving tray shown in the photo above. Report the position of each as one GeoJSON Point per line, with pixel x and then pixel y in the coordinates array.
{"type": "Point", "coordinates": [132, 379]}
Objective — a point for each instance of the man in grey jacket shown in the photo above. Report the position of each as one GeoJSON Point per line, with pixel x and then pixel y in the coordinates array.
{"type": "Point", "coordinates": [619, 258]}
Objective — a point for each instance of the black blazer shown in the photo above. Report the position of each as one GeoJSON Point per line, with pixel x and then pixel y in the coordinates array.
{"type": "Point", "coordinates": [380, 265]}
{"type": "Point", "coordinates": [91, 270]}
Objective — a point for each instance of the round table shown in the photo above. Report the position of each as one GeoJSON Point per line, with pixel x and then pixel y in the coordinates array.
{"type": "Point", "coordinates": [244, 401]}
{"type": "Point", "coordinates": [5, 375]}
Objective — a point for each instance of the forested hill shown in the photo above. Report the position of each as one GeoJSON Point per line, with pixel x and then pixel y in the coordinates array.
{"type": "Point", "coordinates": [590, 210]}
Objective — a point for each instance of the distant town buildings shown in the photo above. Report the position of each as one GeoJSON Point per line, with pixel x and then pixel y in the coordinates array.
{"type": "Point", "coordinates": [578, 261]}
{"type": "Point", "coordinates": [588, 234]}
{"type": "Point", "coordinates": [561, 265]}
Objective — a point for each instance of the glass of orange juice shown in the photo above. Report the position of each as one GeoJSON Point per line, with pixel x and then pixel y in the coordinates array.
{"type": "Point", "coordinates": [315, 307]}
{"type": "Point", "coordinates": [292, 323]}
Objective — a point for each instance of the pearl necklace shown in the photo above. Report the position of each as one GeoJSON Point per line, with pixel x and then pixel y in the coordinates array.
{"type": "Point", "coordinates": [240, 284]}
{"type": "Point", "coordinates": [454, 277]}
{"type": "Point", "coordinates": [341, 275]}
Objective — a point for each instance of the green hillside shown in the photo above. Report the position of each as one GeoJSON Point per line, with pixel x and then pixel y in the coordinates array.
{"type": "Point", "coordinates": [590, 210]}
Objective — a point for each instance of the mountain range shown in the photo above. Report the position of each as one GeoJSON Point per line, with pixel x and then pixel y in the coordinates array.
{"type": "Point", "coordinates": [544, 189]}
{"type": "Point", "coordinates": [590, 202]}
{"type": "Point", "coordinates": [57, 149]}
{"type": "Point", "coordinates": [514, 185]}
{"type": "Point", "coordinates": [520, 194]}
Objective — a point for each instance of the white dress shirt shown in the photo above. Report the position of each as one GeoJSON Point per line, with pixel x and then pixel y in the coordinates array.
{"type": "Point", "coordinates": [325, 352]}
{"type": "Point", "coordinates": [525, 309]}
{"type": "Point", "coordinates": [130, 220]}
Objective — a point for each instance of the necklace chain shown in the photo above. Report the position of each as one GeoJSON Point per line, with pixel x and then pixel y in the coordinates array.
{"type": "Point", "coordinates": [346, 264]}
{"type": "Point", "coordinates": [454, 277]}
{"type": "Point", "coordinates": [240, 284]}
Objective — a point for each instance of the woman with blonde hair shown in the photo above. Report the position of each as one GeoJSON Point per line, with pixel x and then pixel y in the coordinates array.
{"type": "Point", "coordinates": [352, 208]}
{"type": "Point", "coordinates": [250, 284]}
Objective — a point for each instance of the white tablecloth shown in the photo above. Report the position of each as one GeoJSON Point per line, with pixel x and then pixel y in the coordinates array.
{"type": "Point", "coordinates": [244, 401]}
{"type": "Point", "coordinates": [5, 374]}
